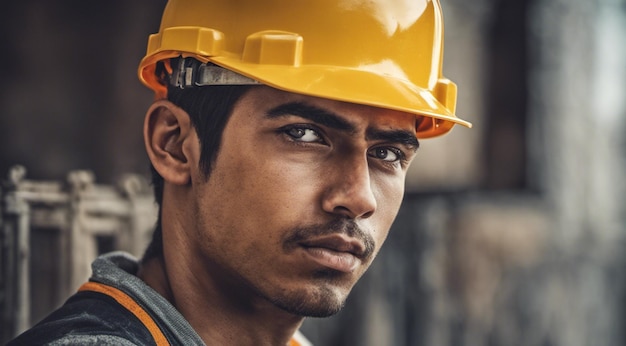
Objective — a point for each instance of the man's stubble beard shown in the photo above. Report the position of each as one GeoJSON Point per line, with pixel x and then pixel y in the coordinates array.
{"type": "Point", "coordinates": [323, 301]}
{"type": "Point", "coordinates": [326, 299]}
{"type": "Point", "coordinates": [327, 292]}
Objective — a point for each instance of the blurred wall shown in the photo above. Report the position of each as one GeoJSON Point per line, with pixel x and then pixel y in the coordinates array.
{"type": "Point", "coordinates": [70, 97]}
{"type": "Point", "coordinates": [512, 233]}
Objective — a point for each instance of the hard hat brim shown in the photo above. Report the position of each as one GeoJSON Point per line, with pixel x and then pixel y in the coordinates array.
{"type": "Point", "coordinates": [335, 83]}
{"type": "Point", "coordinates": [352, 85]}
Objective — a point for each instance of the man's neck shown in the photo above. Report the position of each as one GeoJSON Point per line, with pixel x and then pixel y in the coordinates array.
{"type": "Point", "coordinates": [152, 272]}
{"type": "Point", "coordinates": [218, 318]}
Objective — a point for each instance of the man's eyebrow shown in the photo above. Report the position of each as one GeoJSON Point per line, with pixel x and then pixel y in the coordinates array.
{"type": "Point", "coordinates": [405, 137]}
{"type": "Point", "coordinates": [332, 120]}
{"type": "Point", "coordinates": [313, 113]}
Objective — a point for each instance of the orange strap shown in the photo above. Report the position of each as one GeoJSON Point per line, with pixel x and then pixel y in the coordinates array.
{"type": "Point", "coordinates": [131, 306]}
{"type": "Point", "coordinates": [138, 311]}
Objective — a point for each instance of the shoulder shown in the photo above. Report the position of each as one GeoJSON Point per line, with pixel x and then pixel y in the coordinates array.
{"type": "Point", "coordinates": [87, 318]}
{"type": "Point", "coordinates": [91, 340]}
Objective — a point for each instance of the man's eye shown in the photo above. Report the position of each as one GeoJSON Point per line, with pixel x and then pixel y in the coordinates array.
{"type": "Point", "coordinates": [386, 154]}
{"type": "Point", "coordinates": [303, 134]}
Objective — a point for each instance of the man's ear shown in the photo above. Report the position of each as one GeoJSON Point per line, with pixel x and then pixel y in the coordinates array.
{"type": "Point", "coordinates": [167, 135]}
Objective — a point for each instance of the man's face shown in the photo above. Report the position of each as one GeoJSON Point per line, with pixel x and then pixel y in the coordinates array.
{"type": "Point", "coordinates": [301, 197]}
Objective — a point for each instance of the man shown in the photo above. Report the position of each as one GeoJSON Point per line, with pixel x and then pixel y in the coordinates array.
{"type": "Point", "coordinates": [279, 141]}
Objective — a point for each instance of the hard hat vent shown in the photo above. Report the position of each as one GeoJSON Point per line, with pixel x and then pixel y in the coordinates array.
{"type": "Point", "coordinates": [273, 48]}
{"type": "Point", "coordinates": [205, 41]}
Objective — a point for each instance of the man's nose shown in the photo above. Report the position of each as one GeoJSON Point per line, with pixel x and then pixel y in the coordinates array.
{"type": "Point", "coordinates": [349, 189]}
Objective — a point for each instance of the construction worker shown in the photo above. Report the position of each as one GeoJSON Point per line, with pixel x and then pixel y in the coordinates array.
{"type": "Point", "coordinates": [279, 139]}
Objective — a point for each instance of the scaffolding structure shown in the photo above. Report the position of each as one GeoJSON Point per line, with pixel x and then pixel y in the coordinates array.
{"type": "Point", "coordinates": [51, 231]}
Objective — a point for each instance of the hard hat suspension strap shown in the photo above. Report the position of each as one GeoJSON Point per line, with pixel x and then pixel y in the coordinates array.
{"type": "Point", "coordinates": [191, 73]}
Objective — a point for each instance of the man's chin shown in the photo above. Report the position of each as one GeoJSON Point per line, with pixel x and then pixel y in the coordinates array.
{"type": "Point", "coordinates": [324, 302]}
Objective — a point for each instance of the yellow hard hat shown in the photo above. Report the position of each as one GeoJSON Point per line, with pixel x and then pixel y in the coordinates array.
{"type": "Point", "coordinates": [379, 52]}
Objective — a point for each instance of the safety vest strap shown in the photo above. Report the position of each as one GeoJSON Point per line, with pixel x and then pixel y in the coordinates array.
{"type": "Point", "coordinates": [131, 305]}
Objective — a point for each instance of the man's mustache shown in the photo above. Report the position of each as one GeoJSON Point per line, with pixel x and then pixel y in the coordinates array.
{"type": "Point", "coordinates": [337, 226]}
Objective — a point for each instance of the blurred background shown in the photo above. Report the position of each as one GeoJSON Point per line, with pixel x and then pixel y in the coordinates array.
{"type": "Point", "coordinates": [512, 233]}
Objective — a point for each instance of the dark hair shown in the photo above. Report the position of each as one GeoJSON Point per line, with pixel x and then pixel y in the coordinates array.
{"type": "Point", "coordinates": [209, 108]}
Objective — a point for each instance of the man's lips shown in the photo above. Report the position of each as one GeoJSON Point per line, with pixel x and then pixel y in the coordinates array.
{"type": "Point", "coordinates": [335, 251]}
{"type": "Point", "coordinates": [338, 244]}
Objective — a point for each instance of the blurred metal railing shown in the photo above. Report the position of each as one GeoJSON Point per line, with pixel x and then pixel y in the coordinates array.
{"type": "Point", "coordinates": [51, 231]}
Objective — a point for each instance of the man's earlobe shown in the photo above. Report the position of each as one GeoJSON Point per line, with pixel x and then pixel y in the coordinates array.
{"type": "Point", "coordinates": [166, 130]}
